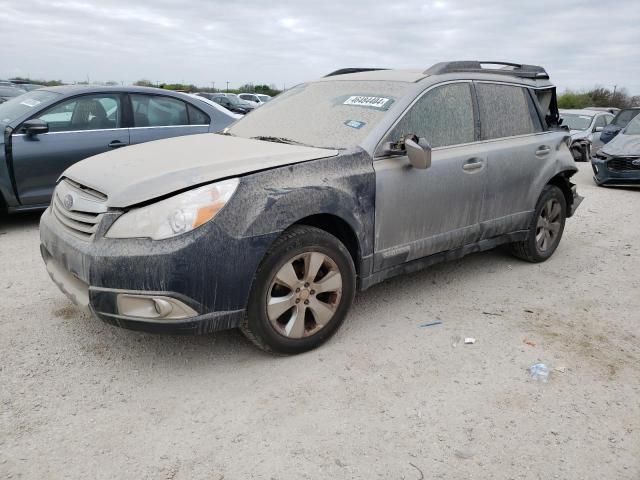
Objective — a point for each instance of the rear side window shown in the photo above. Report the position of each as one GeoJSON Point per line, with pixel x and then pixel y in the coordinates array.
{"type": "Point", "coordinates": [443, 115]}
{"type": "Point", "coordinates": [196, 117]}
{"type": "Point", "coordinates": [506, 111]}
{"type": "Point", "coordinates": [158, 111]}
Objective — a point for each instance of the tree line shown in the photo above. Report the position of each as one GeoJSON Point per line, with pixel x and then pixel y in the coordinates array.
{"type": "Point", "coordinates": [598, 97]}
{"type": "Point", "coordinates": [189, 87]}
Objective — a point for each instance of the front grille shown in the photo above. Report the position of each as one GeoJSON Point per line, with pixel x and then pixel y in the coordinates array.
{"type": "Point", "coordinates": [622, 164]}
{"type": "Point", "coordinates": [83, 210]}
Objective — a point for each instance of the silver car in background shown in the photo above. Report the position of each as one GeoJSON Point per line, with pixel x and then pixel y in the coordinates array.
{"type": "Point", "coordinates": [585, 127]}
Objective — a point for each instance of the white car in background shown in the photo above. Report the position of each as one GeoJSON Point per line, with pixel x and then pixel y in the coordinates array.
{"type": "Point", "coordinates": [255, 99]}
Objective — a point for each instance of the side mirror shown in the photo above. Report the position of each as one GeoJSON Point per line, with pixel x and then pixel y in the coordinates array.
{"type": "Point", "coordinates": [35, 127]}
{"type": "Point", "coordinates": [598, 129]}
{"type": "Point", "coordinates": [419, 152]}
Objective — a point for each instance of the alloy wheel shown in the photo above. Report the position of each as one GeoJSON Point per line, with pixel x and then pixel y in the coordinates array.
{"type": "Point", "coordinates": [549, 225]}
{"type": "Point", "coordinates": [304, 295]}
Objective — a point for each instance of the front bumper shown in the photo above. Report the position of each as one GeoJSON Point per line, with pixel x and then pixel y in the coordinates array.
{"type": "Point", "coordinates": [603, 175]}
{"type": "Point", "coordinates": [206, 271]}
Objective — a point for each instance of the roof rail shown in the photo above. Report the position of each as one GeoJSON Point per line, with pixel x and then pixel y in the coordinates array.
{"type": "Point", "coordinates": [513, 69]}
{"type": "Point", "coordinates": [345, 71]}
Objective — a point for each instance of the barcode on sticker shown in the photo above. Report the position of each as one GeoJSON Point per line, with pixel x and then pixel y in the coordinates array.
{"type": "Point", "coordinates": [362, 101]}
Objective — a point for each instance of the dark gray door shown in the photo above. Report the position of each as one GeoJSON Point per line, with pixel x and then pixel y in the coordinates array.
{"type": "Point", "coordinates": [517, 151]}
{"type": "Point", "coordinates": [78, 128]}
{"type": "Point", "coordinates": [158, 116]}
{"type": "Point", "coordinates": [422, 212]}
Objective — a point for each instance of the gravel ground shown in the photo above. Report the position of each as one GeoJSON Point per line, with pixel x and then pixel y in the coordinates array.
{"type": "Point", "coordinates": [385, 398]}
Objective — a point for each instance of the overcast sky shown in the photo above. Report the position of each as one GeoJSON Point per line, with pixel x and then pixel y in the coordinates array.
{"type": "Point", "coordinates": [580, 43]}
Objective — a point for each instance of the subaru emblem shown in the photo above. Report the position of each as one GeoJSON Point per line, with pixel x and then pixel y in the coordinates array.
{"type": "Point", "coordinates": [67, 201]}
{"type": "Point", "coordinates": [636, 162]}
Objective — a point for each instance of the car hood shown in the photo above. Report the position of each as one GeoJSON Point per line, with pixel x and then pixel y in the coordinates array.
{"type": "Point", "coordinates": [143, 172]}
{"type": "Point", "coordinates": [623, 145]}
{"type": "Point", "coordinates": [575, 134]}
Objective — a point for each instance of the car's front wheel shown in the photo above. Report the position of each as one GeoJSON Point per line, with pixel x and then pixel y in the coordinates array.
{"type": "Point", "coordinates": [301, 292]}
{"type": "Point", "coordinates": [546, 228]}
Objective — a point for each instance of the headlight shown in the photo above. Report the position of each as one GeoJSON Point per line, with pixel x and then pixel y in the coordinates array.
{"type": "Point", "coordinates": [176, 215]}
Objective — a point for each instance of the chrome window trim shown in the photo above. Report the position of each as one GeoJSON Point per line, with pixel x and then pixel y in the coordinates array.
{"type": "Point", "coordinates": [476, 142]}
{"type": "Point", "coordinates": [111, 129]}
{"type": "Point", "coordinates": [74, 131]}
{"type": "Point", "coordinates": [170, 126]}
{"type": "Point", "coordinates": [495, 82]}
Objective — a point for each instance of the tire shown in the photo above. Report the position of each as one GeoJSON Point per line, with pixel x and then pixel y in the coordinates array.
{"type": "Point", "coordinates": [586, 153]}
{"type": "Point", "coordinates": [285, 313]}
{"type": "Point", "coordinates": [549, 222]}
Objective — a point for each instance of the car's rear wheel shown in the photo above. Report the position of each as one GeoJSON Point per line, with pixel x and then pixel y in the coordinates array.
{"type": "Point", "coordinates": [301, 293]}
{"type": "Point", "coordinates": [546, 228]}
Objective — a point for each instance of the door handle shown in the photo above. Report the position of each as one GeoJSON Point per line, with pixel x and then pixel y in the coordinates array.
{"type": "Point", "coordinates": [543, 150]}
{"type": "Point", "coordinates": [116, 144]}
{"type": "Point", "coordinates": [472, 164]}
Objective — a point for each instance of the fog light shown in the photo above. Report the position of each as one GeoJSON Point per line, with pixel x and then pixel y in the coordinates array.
{"type": "Point", "coordinates": [153, 307]}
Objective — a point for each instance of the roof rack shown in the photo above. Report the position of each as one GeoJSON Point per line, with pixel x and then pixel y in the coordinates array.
{"type": "Point", "coordinates": [512, 69]}
{"type": "Point", "coordinates": [345, 71]}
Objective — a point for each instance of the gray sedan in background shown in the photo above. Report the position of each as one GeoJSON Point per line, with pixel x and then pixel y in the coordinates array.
{"type": "Point", "coordinates": [49, 129]}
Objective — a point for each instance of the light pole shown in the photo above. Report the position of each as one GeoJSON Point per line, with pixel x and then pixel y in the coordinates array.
{"type": "Point", "coordinates": [227, 87]}
{"type": "Point", "coordinates": [213, 86]}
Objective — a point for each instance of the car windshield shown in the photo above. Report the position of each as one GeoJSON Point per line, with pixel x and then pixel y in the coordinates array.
{"type": "Point", "coordinates": [18, 106]}
{"type": "Point", "coordinates": [633, 127]}
{"type": "Point", "coordinates": [625, 116]}
{"type": "Point", "coordinates": [330, 114]}
{"type": "Point", "coordinates": [264, 98]}
{"type": "Point", "coordinates": [575, 121]}
{"type": "Point", "coordinates": [233, 100]}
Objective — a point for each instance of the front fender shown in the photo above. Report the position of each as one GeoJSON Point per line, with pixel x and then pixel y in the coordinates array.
{"type": "Point", "coordinates": [267, 203]}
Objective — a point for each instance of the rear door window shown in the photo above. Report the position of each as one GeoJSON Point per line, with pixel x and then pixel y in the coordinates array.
{"type": "Point", "coordinates": [158, 111]}
{"type": "Point", "coordinates": [506, 111]}
{"type": "Point", "coordinates": [443, 115]}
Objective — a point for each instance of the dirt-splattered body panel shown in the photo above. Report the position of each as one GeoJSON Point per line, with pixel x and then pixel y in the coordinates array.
{"type": "Point", "coordinates": [211, 269]}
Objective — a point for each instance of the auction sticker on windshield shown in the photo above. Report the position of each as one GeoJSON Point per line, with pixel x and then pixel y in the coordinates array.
{"type": "Point", "coordinates": [362, 101]}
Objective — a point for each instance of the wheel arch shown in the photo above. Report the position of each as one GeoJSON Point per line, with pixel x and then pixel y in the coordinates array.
{"type": "Point", "coordinates": [339, 228]}
{"type": "Point", "coordinates": [561, 180]}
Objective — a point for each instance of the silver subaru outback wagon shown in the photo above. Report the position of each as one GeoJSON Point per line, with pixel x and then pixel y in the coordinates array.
{"type": "Point", "coordinates": [335, 185]}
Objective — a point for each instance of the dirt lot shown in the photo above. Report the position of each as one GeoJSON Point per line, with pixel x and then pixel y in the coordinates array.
{"type": "Point", "coordinates": [384, 399]}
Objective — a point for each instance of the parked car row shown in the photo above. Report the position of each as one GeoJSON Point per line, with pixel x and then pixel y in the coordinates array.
{"type": "Point", "coordinates": [229, 101]}
{"type": "Point", "coordinates": [610, 142]}
{"type": "Point", "coordinates": [274, 224]}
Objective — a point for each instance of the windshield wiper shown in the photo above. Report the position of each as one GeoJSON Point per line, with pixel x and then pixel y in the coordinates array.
{"type": "Point", "coordinates": [280, 140]}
